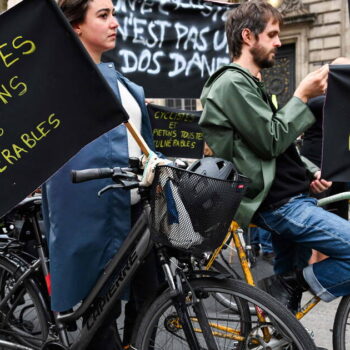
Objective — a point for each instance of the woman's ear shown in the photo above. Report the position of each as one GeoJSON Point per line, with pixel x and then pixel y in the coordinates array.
{"type": "Point", "coordinates": [77, 29]}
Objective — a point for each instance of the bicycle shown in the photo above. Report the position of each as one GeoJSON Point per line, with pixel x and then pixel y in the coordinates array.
{"type": "Point", "coordinates": [341, 326]}
{"type": "Point", "coordinates": [185, 313]}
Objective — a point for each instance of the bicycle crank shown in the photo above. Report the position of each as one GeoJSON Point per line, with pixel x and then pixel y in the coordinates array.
{"type": "Point", "coordinates": [257, 341]}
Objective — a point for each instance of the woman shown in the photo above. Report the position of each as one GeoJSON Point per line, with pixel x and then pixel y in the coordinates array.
{"type": "Point", "coordinates": [84, 231]}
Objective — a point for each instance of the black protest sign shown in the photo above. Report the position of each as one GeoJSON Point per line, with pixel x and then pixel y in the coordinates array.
{"type": "Point", "coordinates": [176, 132]}
{"type": "Point", "coordinates": [170, 47]}
{"type": "Point", "coordinates": [336, 126]}
{"type": "Point", "coordinates": [53, 100]}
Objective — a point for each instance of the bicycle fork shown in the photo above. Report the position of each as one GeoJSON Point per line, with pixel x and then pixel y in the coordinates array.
{"type": "Point", "coordinates": [183, 295]}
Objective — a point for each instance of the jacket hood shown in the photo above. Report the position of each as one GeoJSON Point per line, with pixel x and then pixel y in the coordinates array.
{"type": "Point", "coordinates": [218, 73]}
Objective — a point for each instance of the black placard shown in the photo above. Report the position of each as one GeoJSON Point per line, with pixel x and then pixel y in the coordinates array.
{"type": "Point", "coordinates": [336, 126]}
{"type": "Point", "coordinates": [53, 99]}
{"type": "Point", "coordinates": [176, 132]}
{"type": "Point", "coordinates": [170, 47]}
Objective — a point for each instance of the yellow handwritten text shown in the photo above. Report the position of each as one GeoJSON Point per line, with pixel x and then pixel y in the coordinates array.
{"type": "Point", "coordinates": [184, 143]}
{"type": "Point", "coordinates": [167, 133]}
{"type": "Point", "coordinates": [168, 143]}
{"type": "Point", "coordinates": [7, 92]}
{"type": "Point", "coordinates": [185, 117]}
{"type": "Point", "coordinates": [28, 141]}
{"type": "Point", "coordinates": [10, 53]}
{"type": "Point", "coordinates": [162, 143]}
{"type": "Point", "coordinates": [191, 135]}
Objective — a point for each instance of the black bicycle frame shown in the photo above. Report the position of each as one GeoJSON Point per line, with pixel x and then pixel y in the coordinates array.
{"type": "Point", "coordinates": [117, 274]}
{"type": "Point", "coordinates": [100, 305]}
{"type": "Point", "coordinates": [102, 299]}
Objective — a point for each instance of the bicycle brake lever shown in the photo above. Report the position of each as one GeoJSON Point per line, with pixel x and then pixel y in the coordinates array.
{"type": "Point", "coordinates": [126, 185]}
{"type": "Point", "coordinates": [107, 188]}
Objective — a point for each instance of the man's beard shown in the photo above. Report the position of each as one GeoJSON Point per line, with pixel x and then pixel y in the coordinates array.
{"type": "Point", "coordinates": [261, 57]}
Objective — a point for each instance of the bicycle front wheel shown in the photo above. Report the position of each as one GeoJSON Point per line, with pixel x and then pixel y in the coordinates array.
{"type": "Point", "coordinates": [162, 329]}
{"type": "Point", "coordinates": [22, 317]}
{"type": "Point", "coordinates": [341, 327]}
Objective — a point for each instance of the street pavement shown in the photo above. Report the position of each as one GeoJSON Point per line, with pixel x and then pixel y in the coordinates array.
{"type": "Point", "coordinates": [320, 321]}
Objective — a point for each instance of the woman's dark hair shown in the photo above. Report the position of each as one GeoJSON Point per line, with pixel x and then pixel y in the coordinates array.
{"type": "Point", "coordinates": [74, 10]}
{"type": "Point", "coordinates": [252, 15]}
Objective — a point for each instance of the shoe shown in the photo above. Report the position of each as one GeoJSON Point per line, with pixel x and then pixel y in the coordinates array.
{"type": "Point", "coordinates": [269, 257]}
{"type": "Point", "coordinates": [287, 289]}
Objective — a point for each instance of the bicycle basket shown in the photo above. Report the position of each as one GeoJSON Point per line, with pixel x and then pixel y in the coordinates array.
{"type": "Point", "coordinates": [190, 211]}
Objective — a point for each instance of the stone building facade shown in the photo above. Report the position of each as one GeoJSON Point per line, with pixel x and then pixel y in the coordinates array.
{"type": "Point", "coordinates": [319, 29]}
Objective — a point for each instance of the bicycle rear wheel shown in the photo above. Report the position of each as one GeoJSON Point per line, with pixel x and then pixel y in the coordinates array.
{"type": "Point", "coordinates": [23, 317]}
{"type": "Point", "coordinates": [341, 326]}
{"type": "Point", "coordinates": [161, 328]}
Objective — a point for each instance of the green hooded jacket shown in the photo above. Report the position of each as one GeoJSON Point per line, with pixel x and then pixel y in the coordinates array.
{"type": "Point", "coordinates": [241, 125]}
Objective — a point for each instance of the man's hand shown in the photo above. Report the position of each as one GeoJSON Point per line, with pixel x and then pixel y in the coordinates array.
{"type": "Point", "coordinates": [207, 150]}
{"type": "Point", "coordinates": [314, 84]}
{"type": "Point", "coordinates": [319, 185]}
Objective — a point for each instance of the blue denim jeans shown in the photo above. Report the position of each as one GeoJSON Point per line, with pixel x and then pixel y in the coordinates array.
{"type": "Point", "coordinates": [262, 237]}
{"type": "Point", "coordinates": [299, 226]}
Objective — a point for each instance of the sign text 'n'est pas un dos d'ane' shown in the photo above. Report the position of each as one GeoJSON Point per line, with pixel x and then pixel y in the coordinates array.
{"type": "Point", "coordinates": [180, 43]}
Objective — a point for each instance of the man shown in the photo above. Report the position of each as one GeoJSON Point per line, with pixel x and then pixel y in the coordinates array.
{"type": "Point", "coordinates": [241, 124]}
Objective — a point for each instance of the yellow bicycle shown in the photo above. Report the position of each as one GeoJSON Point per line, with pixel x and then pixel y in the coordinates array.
{"type": "Point", "coordinates": [341, 327]}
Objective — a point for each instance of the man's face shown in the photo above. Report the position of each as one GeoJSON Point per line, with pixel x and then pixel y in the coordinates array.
{"type": "Point", "coordinates": [265, 47]}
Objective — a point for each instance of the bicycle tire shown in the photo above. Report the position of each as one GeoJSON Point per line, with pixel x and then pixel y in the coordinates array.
{"type": "Point", "coordinates": [23, 318]}
{"type": "Point", "coordinates": [155, 332]}
{"type": "Point", "coordinates": [341, 326]}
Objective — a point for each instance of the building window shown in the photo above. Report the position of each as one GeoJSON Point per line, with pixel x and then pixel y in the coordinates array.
{"type": "Point", "coordinates": [189, 104]}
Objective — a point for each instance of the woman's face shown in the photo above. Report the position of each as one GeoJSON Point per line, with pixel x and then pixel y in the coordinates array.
{"type": "Point", "coordinates": [98, 31]}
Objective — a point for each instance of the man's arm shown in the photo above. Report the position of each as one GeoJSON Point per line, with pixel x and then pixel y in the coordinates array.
{"type": "Point", "coordinates": [235, 108]}
{"type": "Point", "coordinates": [309, 165]}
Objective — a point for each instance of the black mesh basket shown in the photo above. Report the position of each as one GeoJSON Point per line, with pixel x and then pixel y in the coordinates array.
{"type": "Point", "coordinates": [192, 212]}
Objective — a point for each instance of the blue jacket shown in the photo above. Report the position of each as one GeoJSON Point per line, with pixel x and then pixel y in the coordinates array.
{"type": "Point", "coordinates": [84, 231]}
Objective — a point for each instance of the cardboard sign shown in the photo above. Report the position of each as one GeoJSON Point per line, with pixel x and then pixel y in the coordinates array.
{"type": "Point", "coordinates": [53, 99]}
{"type": "Point", "coordinates": [176, 132]}
{"type": "Point", "coordinates": [170, 47]}
{"type": "Point", "coordinates": [336, 126]}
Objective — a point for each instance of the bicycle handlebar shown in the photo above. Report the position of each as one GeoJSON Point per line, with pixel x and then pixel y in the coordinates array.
{"type": "Point", "coordinates": [334, 198]}
{"type": "Point", "coordinates": [90, 174]}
